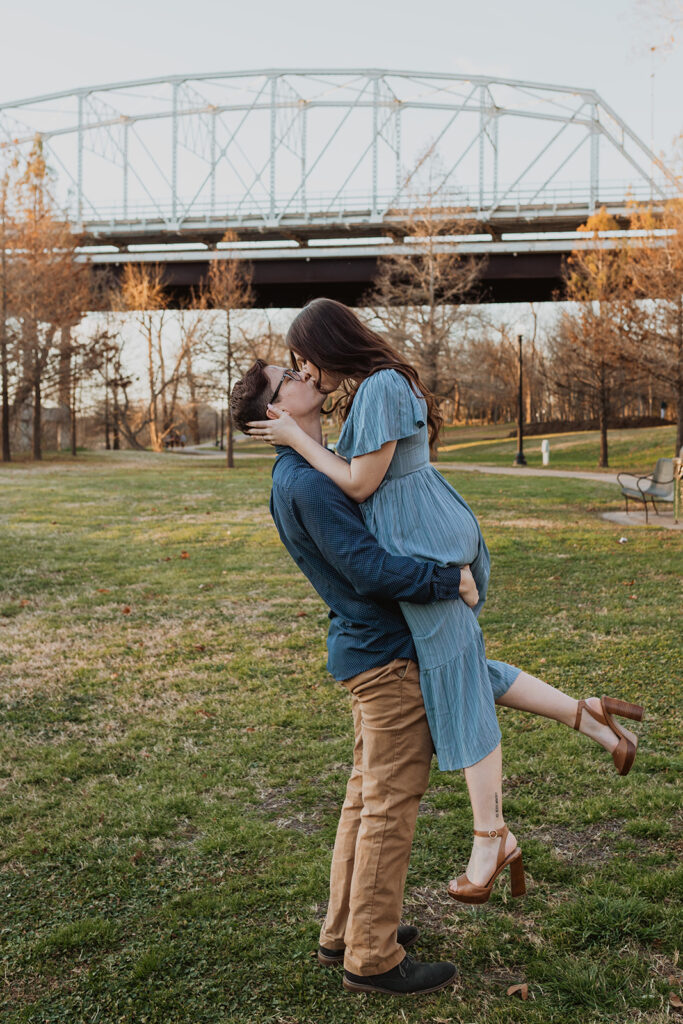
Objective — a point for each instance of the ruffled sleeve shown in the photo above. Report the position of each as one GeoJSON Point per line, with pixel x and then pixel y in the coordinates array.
{"type": "Point", "coordinates": [385, 409]}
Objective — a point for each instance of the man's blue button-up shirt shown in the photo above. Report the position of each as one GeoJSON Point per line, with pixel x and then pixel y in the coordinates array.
{"type": "Point", "coordinates": [361, 583]}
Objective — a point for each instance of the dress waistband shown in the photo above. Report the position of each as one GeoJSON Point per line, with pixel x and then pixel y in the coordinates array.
{"type": "Point", "coordinates": [409, 472]}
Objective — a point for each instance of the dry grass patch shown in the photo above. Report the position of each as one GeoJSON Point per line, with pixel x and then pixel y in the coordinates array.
{"type": "Point", "coordinates": [593, 844]}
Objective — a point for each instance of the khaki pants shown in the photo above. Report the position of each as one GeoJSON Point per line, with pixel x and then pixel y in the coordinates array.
{"type": "Point", "coordinates": [392, 755]}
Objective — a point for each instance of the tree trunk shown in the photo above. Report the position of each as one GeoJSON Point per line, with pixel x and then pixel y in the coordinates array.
{"type": "Point", "coordinates": [37, 421]}
{"type": "Point", "coordinates": [4, 426]}
{"type": "Point", "coordinates": [4, 369]}
{"type": "Point", "coordinates": [193, 423]}
{"type": "Point", "coordinates": [154, 436]}
{"type": "Point", "coordinates": [229, 447]}
{"type": "Point", "coordinates": [167, 409]}
{"type": "Point", "coordinates": [72, 414]}
{"type": "Point", "coordinates": [64, 381]}
{"type": "Point", "coordinates": [193, 416]}
{"type": "Point", "coordinates": [603, 408]}
{"type": "Point", "coordinates": [108, 440]}
{"type": "Point", "coordinates": [115, 430]}
{"type": "Point", "coordinates": [678, 383]}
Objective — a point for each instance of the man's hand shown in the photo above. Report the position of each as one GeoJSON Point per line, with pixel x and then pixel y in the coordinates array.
{"type": "Point", "coordinates": [468, 588]}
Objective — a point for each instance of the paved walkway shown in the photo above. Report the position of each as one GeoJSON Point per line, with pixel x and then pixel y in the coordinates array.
{"type": "Point", "coordinates": [573, 474]}
{"type": "Point", "coordinates": [466, 467]}
{"type": "Point", "coordinates": [663, 521]}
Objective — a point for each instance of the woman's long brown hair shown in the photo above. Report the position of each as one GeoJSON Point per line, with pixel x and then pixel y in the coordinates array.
{"type": "Point", "coordinates": [329, 335]}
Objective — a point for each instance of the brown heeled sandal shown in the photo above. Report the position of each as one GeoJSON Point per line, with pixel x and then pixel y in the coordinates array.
{"type": "Point", "coordinates": [624, 753]}
{"type": "Point", "coordinates": [468, 892]}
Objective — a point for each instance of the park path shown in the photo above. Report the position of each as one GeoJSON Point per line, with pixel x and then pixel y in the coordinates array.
{"type": "Point", "coordinates": [475, 467]}
{"type": "Point", "coordinates": [572, 474]}
{"type": "Point", "coordinates": [466, 467]}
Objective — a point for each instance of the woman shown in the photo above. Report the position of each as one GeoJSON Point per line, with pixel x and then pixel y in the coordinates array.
{"type": "Point", "coordinates": [389, 421]}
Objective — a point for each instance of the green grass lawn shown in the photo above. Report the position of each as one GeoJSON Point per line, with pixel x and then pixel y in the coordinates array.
{"type": "Point", "coordinates": [634, 450]}
{"type": "Point", "coordinates": [174, 756]}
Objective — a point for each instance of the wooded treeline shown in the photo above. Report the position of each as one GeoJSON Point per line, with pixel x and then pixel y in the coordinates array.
{"type": "Point", "coordinates": [109, 354]}
{"type": "Point", "coordinates": [613, 354]}
{"type": "Point", "coordinates": [84, 351]}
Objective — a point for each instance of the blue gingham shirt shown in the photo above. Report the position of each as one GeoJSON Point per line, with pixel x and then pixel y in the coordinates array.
{"type": "Point", "coordinates": [360, 582]}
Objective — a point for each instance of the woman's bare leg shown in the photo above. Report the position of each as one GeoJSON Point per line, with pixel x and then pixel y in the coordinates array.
{"type": "Point", "coordinates": [484, 782]}
{"type": "Point", "coordinates": [528, 693]}
{"type": "Point", "coordinates": [484, 779]}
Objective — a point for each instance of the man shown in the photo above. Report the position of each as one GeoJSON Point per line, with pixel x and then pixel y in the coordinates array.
{"type": "Point", "coordinates": [371, 652]}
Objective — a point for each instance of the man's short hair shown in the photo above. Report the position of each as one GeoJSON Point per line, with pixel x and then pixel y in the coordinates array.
{"type": "Point", "coordinates": [250, 396]}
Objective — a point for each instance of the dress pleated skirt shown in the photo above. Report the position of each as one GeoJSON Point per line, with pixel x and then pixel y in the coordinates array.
{"type": "Point", "coordinates": [419, 514]}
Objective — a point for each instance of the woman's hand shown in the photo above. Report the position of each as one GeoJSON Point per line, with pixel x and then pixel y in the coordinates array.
{"type": "Point", "coordinates": [282, 430]}
{"type": "Point", "coordinates": [468, 588]}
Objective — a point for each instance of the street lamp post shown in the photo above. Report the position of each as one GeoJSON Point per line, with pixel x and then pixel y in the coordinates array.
{"type": "Point", "coordinates": [519, 457]}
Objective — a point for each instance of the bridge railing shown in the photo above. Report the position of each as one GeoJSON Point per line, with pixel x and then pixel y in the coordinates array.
{"type": "Point", "coordinates": [328, 207]}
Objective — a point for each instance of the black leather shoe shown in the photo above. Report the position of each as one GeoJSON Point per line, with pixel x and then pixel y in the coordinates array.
{"type": "Point", "coordinates": [407, 978]}
{"type": "Point", "coordinates": [406, 936]}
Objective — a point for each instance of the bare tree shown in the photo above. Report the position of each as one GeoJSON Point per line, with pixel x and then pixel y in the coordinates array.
{"type": "Point", "coordinates": [107, 365]}
{"type": "Point", "coordinates": [106, 300]}
{"type": "Point", "coordinates": [88, 351]}
{"type": "Point", "coordinates": [226, 289]}
{"type": "Point", "coordinates": [199, 384]}
{"type": "Point", "coordinates": [129, 417]}
{"type": "Point", "coordinates": [488, 368]}
{"type": "Point", "coordinates": [7, 232]}
{"type": "Point", "coordinates": [192, 384]}
{"type": "Point", "coordinates": [587, 350]}
{"type": "Point", "coordinates": [260, 339]}
{"type": "Point", "coordinates": [142, 293]}
{"type": "Point", "coordinates": [49, 290]}
{"type": "Point", "coordinates": [420, 290]}
{"type": "Point", "coordinates": [655, 262]}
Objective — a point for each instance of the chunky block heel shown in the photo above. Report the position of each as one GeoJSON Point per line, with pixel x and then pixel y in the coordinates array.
{"type": "Point", "coordinates": [623, 708]}
{"type": "Point", "coordinates": [517, 882]}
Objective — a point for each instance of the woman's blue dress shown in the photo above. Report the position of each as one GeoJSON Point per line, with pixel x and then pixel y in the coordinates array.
{"type": "Point", "coordinates": [416, 512]}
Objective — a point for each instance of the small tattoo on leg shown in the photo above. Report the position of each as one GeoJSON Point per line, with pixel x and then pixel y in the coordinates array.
{"type": "Point", "coordinates": [496, 799]}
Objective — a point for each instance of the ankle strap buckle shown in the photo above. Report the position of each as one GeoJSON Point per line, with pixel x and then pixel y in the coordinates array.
{"type": "Point", "coordinates": [491, 833]}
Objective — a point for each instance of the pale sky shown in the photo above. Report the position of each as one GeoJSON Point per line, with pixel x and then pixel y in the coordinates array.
{"type": "Point", "coordinates": [602, 44]}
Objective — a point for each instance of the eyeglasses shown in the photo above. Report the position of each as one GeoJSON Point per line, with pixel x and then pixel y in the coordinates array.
{"type": "Point", "coordinates": [292, 375]}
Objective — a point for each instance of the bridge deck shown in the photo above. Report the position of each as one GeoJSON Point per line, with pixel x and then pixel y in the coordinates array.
{"type": "Point", "coordinates": [290, 277]}
{"type": "Point", "coordinates": [158, 226]}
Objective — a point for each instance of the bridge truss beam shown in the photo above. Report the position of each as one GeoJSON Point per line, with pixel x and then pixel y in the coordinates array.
{"type": "Point", "coordinates": [303, 154]}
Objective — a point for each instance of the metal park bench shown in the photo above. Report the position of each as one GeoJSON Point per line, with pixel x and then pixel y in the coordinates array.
{"type": "Point", "coordinates": [657, 486]}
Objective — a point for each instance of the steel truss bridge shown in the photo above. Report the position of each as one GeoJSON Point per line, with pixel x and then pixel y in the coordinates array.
{"type": "Point", "coordinates": [316, 172]}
